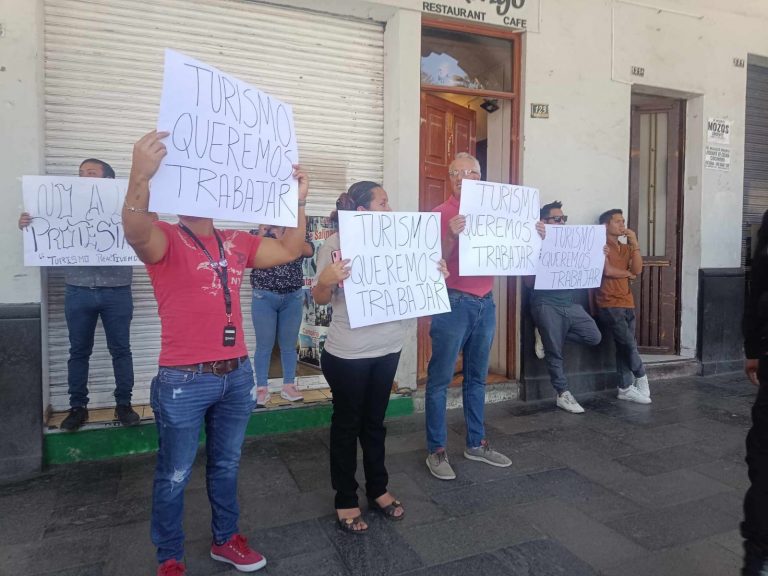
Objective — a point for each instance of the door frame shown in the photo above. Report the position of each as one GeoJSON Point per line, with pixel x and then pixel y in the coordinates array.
{"type": "Point", "coordinates": [516, 40]}
{"type": "Point", "coordinates": [676, 107]}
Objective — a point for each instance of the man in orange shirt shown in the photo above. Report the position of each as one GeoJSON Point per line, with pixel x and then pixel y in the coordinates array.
{"type": "Point", "coordinates": [616, 306]}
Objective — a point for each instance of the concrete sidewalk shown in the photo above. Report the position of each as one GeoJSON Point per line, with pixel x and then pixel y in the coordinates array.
{"type": "Point", "coordinates": [622, 490]}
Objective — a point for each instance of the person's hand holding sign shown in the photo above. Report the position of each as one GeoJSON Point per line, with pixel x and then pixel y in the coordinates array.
{"type": "Point", "coordinates": [301, 176]}
{"type": "Point", "coordinates": [333, 274]}
{"type": "Point", "coordinates": [443, 268]}
{"type": "Point", "coordinates": [24, 220]}
{"type": "Point", "coordinates": [457, 224]}
{"type": "Point", "coordinates": [147, 154]}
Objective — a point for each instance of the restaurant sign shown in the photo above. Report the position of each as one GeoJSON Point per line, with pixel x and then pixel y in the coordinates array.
{"type": "Point", "coordinates": [514, 14]}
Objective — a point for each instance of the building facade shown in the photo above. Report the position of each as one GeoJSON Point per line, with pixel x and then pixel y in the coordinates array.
{"type": "Point", "coordinates": [659, 108]}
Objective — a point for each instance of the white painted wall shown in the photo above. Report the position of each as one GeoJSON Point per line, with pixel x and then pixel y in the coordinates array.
{"type": "Point", "coordinates": [580, 64]}
{"type": "Point", "coordinates": [21, 127]}
{"type": "Point", "coordinates": [402, 92]}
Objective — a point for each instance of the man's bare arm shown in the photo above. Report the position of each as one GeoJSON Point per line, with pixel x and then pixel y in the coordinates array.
{"type": "Point", "coordinates": [149, 242]}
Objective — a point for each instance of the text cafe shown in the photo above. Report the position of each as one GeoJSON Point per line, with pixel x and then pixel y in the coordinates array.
{"type": "Point", "coordinates": [598, 105]}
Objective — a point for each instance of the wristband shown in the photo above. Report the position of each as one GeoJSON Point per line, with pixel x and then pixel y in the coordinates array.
{"type": "Point", "coordinates": [134, 209]}
{"type": "Point", "coordinates": [302, 203]}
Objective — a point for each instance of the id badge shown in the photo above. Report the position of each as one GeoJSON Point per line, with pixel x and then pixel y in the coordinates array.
{"type": "Point", "coordinates": [230, 335]}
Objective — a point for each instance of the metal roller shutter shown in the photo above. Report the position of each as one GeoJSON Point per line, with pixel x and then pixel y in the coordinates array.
{"type": "Point", "coordinates": [103, 74]}
{"type": "Point", "coordinates": [755, 156]}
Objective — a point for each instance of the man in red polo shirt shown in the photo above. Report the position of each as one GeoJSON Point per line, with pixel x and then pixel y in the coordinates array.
{"type": "Point", "coordinates": [469, 328]}
{"type": "Point", "coordinates": [204, 374]}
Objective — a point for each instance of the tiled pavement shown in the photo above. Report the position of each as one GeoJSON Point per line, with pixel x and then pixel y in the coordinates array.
{"type": "Point", "coordinates": [622, 490]}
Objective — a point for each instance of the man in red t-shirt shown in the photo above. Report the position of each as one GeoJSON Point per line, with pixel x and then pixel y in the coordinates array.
{"type": "Point", "coordinates": [204, 372]}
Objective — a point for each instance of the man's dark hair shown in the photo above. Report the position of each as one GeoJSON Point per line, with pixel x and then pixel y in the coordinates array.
{"type": "Point", "coordinates": [606, 216]}
{"type": "Point", "coordinates": [547, 208]}
{"type": "Point", "coordinates": [106, 169]}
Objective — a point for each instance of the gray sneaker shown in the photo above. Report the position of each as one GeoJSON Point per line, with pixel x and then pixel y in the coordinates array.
{"type": "Point", "coordinates": [438, 465]}
{"type": "Point", "coordinates": [484, 453]}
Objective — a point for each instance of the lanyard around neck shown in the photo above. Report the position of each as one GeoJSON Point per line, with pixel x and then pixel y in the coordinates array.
{"type": "Point", "coordinates": [219, 267]}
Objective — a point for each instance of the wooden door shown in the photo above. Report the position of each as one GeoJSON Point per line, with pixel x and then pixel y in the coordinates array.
{"type": "Point", "coordinates": [655, 214]}
{"type": "Point", "coordinates": [446, 130]}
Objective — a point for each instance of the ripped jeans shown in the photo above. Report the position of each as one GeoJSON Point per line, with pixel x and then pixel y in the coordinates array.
{"type": "Point", "coordinates": [181, 402]}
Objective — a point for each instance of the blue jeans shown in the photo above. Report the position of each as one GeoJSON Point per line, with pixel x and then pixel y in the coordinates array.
{"type": "Point", "coordinates": [468, 327]}
{"type": "Point", "coordinates": [82, 308]}
{"type": "Point", "coordinates": [557, 324]}
{"type": "Point", "coordinates": [279, 314]}
{"type": "Point", "coordinates": [621, 322]}
{"type": "Point", "coordinates": [181, 401]}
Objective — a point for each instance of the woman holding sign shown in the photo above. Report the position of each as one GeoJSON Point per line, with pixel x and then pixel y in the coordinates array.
{"type": "Point", "coordinates": [359, 366]}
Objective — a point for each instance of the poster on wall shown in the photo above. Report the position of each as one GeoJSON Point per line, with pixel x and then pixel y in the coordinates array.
{"type": "Point", "coordinates": [500, 237]}
{"type": "Point", "coordinates": [75, 222]}
{"type": "Point", "coordinates": [717, 158]}
{"type": "Point", "coordinates": [230, 150]}
{"type": "Point", "coordinates": [718, 131]}
{"type": "Point", "coordinates": [316, 318]}
{"type": "Point", "coordinates": [571, 257]}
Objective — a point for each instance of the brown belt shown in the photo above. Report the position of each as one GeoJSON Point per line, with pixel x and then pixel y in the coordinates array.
{"type": "Point", "coordinates": [216, 367]}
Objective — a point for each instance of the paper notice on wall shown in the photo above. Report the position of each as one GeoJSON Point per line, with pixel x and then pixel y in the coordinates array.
{"type": "Point", "coordinates": [718, 131]}
{"type": "Point", "coordinates": [717, 158]}
{"type": "Point", "coordinates": [75, 222]}
{"type": "Point", "coordinates": [230, 150]}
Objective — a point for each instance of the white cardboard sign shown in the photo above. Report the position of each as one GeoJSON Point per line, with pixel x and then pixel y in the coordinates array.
{"type": "Point", "coordinates": [571, 257]}
{"type": "Point", "coordinates": [394, 266]}
{"type": "Point", "coordinates": [230, 151]}
{"type": "Point", "coordinates": [75, 222]}
{"type": "Point", "coordinates": [500, 237]}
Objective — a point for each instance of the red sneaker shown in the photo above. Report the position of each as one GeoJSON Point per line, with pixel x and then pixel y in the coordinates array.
{"type": "Point", "coordinates": [236, 551]}
{"type": "Point", "coordinates": [171, 568]}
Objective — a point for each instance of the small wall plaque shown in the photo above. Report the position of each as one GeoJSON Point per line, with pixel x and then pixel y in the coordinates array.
{"type": "Point", "coordinates": [539, 110]}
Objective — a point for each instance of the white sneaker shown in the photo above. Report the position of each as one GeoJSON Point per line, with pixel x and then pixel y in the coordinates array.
{"type": "Point", "coordinates": [538, 346]}
{"type": "Point", "coordinates": [642, 386]}
{"type": "Point", "coordinates": [632, 394]}
{"type": "Point", "coordinates": [567, 402]}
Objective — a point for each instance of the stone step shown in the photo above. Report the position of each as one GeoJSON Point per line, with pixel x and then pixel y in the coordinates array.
{"type": "Point", "coordinates": [497, 392]}
{"type": "Point", "coordinates": [666, 370]}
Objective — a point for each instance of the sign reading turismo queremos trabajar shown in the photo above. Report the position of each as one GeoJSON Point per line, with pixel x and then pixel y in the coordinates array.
{"type": "Point", "coordinates": [516, 14]}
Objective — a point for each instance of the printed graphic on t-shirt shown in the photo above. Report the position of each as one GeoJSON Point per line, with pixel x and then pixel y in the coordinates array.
{"type": "Point", "coordinates": [236, 262]}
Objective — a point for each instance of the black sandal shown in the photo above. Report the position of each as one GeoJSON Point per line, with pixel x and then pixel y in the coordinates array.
{"type": "Point", "coordinates": [389, 510]}
{"type": "Point", "coordinates": [349, 525]}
